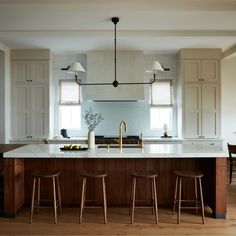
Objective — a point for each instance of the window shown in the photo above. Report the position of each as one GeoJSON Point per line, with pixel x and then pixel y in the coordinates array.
{"type": "Point", "coordinates": [69, 105]}
{"type": "Point", "coordinates": [161, 104]}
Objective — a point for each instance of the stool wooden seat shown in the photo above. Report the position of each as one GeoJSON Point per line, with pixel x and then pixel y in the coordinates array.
{"type": "Point", "coordinates": [98, 175]}
{"type": "Point", "coordinates": [56, 191]}
{"type": "Point", "coordinates": [147, 175]}
{"type": "Point", "coordinates": [196, 175]}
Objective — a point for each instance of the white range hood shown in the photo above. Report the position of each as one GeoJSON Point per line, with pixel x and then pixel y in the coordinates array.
{"type": "Point", "coordinates": [100, 68]}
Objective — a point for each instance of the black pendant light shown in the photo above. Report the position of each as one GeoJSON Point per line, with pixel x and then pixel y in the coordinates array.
{"type": "Point", "coordinates": [76, 67]}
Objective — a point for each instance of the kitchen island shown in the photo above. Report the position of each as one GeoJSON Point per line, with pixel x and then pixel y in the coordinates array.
{"type": "Point", "coordinates": [119, 163]}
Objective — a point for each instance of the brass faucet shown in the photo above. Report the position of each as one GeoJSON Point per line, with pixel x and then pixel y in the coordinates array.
{"type": "Point", "coordinates": [122, 124]}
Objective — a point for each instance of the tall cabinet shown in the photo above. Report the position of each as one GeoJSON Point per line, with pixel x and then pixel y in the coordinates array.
{"type": "Point", "coordinates": [30, 94]}
{"type": "Point", "coordinates": [200, 93]}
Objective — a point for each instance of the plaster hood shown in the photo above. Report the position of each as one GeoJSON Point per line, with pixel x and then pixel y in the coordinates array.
{"type": "Point", "coordinates": [100, 68]}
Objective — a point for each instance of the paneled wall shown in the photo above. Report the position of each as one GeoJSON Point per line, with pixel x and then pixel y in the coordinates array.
{"type": "Point", "coordinates": [136, 114]}
{"type": "Point", "coordinates": [5, 94]}
{"type": "Point", "coordinates": [229, 100]}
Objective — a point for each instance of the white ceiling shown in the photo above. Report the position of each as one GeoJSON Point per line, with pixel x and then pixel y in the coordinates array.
{"type": "Point", "coordinates": [147, 25]}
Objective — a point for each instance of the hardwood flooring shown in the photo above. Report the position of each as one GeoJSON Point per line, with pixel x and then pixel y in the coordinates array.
{"type": "Point", "coordinates": [118, 222]}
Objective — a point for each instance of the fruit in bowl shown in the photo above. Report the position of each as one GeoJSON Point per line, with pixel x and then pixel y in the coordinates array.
{"type": "Point", "coordinates": [73, 147]}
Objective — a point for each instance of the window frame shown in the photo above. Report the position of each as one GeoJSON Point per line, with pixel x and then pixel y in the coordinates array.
{"type": "Point", "coordinates": [65, 104]}
{"type": "Point", "coordinates": [161, 106]}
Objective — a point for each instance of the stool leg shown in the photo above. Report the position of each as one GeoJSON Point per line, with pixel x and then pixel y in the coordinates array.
{"type": "Point", "coordinates": [230, 172]}
{"type": "Point", "coordinates": [179, 200]}
{"type": "Point", "coordinates": [104, 199]}
{"type": "Point", "coordinates": [196, 197]}
{"type": "Point", "coordinates": [32, 201]}
{"type": "Point", "coordinates": [130, 203]}
{"type": "Point", "coordinates": [59, 194]}
{"type": "Point", "coordinates": [133, 199]}
{"type": "Point", "coordinates": [38, 193]}
{"type": "Point", "coordinates": [175, 197]}
{"type": "Point", "coordinates": [82, 200]}
{"type": "Point", "coordinates": [155, 198]}
{"type": "Point", "coordinates": [202, 204]}
{"type": "Point", "coordinates": [54, 200]}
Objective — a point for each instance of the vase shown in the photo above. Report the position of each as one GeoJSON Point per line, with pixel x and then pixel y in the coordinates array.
{"type": "Point", "coordinates": [91, 139]}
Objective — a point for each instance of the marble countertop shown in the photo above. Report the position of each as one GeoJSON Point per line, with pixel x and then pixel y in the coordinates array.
{"type": "Point", "coordinates": [149, 151]}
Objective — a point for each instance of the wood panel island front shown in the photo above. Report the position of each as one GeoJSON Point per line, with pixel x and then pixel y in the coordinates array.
{"type": "Point", "coordinates": [18, 165]}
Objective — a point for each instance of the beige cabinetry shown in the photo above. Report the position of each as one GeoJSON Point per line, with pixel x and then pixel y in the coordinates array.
{"type": "Point", "coordinates": [30, 98]}
{"type": "Point", "coordinates": [201, 108]}
{"type": "Point", "coordinates": [197, 70]}
{"type": "Point", "coordinates": [200, 86]}
{"type": "Point", "coordinates": [30, 71]}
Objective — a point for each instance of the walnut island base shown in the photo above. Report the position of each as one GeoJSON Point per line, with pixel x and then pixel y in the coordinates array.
{"type": "Point", "coordinates": [20, 163]}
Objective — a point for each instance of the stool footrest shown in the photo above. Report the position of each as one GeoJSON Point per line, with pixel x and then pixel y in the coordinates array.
{"type": "Point", "coordinates": [93, 206]}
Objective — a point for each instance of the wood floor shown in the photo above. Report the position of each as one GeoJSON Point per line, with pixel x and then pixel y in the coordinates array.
{"type": "Point", "coordinates": [118, 222]}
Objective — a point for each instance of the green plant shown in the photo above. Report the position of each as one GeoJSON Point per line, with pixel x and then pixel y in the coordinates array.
{"type": "Point", "coordinates": [92, 119]}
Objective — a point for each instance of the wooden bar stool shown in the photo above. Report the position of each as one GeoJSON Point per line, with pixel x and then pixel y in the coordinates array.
{"type": "Point", "coordinates": [98, 175]}
{"type": "Point", "coordinates": [147, 175]}
{"type": "Point", "coordinates": [196, 175]}
{"type": "Point", "coordinates": [56, 191]}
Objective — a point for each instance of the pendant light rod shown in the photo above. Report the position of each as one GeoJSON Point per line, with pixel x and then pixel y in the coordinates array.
{"type": "Point", "coordinates": [115, 20]}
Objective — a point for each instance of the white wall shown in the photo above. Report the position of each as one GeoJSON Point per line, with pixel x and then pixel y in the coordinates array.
{"type": "Point", "coordinates": [5, 98]}
{"type": "Point", "coordinates": [136, 114]}
{"type": "Point", "coordinates": [229, 100]}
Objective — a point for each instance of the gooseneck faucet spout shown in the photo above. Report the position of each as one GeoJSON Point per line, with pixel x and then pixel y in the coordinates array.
{"type": "Point", "coordinates": [122, 124]}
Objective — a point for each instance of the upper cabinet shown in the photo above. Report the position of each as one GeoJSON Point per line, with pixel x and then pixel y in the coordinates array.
{"type": "Point", "coordinates": [100, 69]}
{"type": "Point", "coordinates": [30, 71]}
{"type": "Point", "coordinates": [197, 70]}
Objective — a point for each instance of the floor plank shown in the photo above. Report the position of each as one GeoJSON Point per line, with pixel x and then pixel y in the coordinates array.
{"type": "Point", "coordinates": [118, 222]}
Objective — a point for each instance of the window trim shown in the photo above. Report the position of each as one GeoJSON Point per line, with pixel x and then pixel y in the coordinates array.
{"type": "Point", "coordinates": [171, 93]}
{"type": "Point", "coordinates": [68, 103]}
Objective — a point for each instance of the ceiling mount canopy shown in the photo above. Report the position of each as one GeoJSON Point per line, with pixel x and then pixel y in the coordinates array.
{"type": "Point", "coordinates": [76, 67]}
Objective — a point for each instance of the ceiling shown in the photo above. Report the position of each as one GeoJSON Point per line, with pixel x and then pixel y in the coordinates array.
{"type": "Point", "coordinates": [74, 26]}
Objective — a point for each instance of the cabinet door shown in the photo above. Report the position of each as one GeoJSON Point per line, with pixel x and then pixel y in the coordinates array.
{"type": "Point", "coordinates": [210, 110]}
{"type": "Point", "coordinates": [192, 108]}
{"type": "Point", "coordinates": [39, 111]}
{"type": "Point", "coordinates": [20, 71]}
{"type": "Point", "coordinates": [210, 70]}
{"type": "Point", "coordinates": [39, 72]}
{"type": "Point", "coordinates": [192, 70]}
{"type": "Point", "coordinates": [20, 111]}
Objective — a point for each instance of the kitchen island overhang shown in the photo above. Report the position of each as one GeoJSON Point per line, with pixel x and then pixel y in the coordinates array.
{"type": "Point", "coordinates": [164, 158]}
{"type": "Point", "coordinates": [149, 151]}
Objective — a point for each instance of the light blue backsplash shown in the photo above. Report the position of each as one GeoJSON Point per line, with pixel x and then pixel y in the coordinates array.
{"type": "Point", "coordinates": [136, 114]}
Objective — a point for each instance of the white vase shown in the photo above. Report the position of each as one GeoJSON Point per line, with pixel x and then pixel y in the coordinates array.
{"type": "Point", "coordinates": [91, 139]}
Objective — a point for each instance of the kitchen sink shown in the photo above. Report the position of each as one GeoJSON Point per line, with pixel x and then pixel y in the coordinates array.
{"type": "Point", "coordinates": [116, 146]}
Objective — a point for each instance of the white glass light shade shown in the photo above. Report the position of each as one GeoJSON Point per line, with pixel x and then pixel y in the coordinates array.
{"type": "Point", "coordinates": [157, 66]}
{"type": "Point", "coordinates": [76, 67]}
